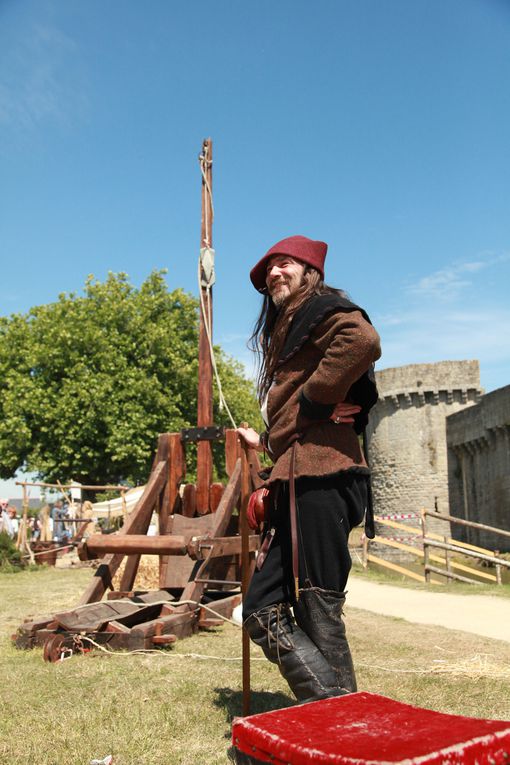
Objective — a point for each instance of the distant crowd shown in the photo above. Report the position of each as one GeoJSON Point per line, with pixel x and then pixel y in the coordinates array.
{"type": "Point", "coordinates": [56, 521]}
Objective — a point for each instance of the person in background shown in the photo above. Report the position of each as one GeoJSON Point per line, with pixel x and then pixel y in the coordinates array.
{"type": "Point", "coordinates": [5, 520]}
{"type": "Point", "coordinates": [316, 386]}
{"type": "Point", "coordinates": [14, 521]}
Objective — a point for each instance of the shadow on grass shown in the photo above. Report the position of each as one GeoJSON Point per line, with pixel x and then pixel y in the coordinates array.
{"type": "Point", "coordinates": [260, 701]}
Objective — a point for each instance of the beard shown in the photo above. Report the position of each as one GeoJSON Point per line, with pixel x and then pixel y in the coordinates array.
{"type": "Point", "coordinates": [281, 293]}
{"type": "Point", "coordinates": [280, 298]}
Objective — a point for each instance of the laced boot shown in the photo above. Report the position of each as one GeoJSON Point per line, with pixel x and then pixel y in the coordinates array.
{"type": "Point", "coordinates": [319, 614]}
{"type": "Point", "coordinates": [301, 663]}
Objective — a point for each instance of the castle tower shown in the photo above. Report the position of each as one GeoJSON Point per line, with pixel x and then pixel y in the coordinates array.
{"type": "Point", "coordinates": [407, 433]}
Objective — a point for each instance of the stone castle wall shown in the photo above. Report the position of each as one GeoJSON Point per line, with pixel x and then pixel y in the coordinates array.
{"type": "Point", "coordinates": [407, 435]}
{"type": "Point", "coordinates": [478, 441]}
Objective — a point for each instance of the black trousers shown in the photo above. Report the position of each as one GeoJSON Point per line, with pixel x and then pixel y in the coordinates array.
{"type": "Point", "coordinates": [327, 509]}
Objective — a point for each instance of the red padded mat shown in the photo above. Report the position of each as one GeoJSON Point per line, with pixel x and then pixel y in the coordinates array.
{"type": "Point", "coordinates": [364, 728]}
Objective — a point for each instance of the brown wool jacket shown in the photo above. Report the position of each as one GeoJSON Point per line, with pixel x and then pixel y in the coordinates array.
{"type": "Point", "coordinates": [337, 352]}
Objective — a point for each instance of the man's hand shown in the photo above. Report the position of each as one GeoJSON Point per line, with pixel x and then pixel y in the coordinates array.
{"type": "Point", "coordinates": [251, 438]}
{"type": "Point", "coordinates": [344, 413]}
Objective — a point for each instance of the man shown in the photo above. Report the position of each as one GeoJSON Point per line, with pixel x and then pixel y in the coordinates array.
{"type": "Point", "coordinates": [5, 520]}
{"type": "Point", "coordinates": [316, 386]}
{"type": "Point", "coordinates": [13, 516]}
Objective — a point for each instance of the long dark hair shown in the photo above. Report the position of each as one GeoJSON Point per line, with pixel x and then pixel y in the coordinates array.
{"type": "Point", "coordinates": [273, 323]}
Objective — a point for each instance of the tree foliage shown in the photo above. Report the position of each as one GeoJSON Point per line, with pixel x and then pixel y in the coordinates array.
{"type": "Point", "coordinates": [88, 382]}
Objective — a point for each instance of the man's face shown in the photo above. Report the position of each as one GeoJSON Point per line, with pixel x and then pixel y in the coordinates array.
{"type": "Point", "coordinates": [284, 276]}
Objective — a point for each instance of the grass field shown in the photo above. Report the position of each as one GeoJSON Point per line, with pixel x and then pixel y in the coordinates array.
{"type": "Point", "coordinates": [176, 706]}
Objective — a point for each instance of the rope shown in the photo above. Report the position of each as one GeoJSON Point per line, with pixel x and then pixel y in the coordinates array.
{"type": "Point", "coordinates": [204, 164]}
{"type": "Point", "coordinates": [207, 312]}
{"type": "Point", "coordinates": [201, 656]}
{"type": "Point", "coordinates": [50, 549]}
{"type": "Point", "coordinates": [204, 657]}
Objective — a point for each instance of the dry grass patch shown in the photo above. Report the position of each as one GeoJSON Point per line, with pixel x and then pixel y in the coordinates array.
{"type": "Point", "coordinates": [176, 706]}
{"type": "Point", "coordinates": [431, 666]}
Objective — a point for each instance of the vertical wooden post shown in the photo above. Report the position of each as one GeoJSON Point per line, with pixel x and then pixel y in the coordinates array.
{"type": "Point", "coordinates": [425, 547]}
{"type": "Point", "coordinates": [246, 573]}
{"type": "Point", "coordinates": [171, 498]}
{"type": "Point", "coordinates": [232, 450]}
{"type": "Point", "coordinates": [205, 397]}
{"type": "Point", "coordinates": [447, 558]}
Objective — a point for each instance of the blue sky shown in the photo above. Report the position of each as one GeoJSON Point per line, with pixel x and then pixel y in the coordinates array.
{"type": "Point", "coordinates": [379, 126]}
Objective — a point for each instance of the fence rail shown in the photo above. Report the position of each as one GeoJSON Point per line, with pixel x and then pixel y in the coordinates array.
{"type": "Point", "coordinates": [429, 540]}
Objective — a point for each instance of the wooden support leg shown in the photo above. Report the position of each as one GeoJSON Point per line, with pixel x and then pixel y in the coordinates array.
{"type": "Point", "coordinates": [172, 499]}
{"type": "Point", "coordinates": [136, 522]}
{"type": "Point", "coordinates": [194, 590]}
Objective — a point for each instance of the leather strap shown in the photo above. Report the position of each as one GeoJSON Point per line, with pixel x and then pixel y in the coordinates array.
{"type": "Point", "coordinates": [369, 516]}
{"type": "Point", "coordinates": [293, 519]}
{"type": "Point", "coordinates": [264, 548]}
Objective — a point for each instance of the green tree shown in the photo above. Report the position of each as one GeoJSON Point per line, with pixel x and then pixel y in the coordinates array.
{"type": "Point", "coordinates": [88, 382]}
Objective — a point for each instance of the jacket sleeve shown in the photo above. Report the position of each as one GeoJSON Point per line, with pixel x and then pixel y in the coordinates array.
{"type": "Point", "coordinates": [349, 345]}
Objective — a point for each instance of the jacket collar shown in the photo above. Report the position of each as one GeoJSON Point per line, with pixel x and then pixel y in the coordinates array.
{"type": "Point", "coordinates": [310, 316]}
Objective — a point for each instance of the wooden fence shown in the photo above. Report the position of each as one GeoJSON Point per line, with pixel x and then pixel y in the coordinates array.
{"type": "Point", "coordinates": [450, 546]}
{"type": "Point", "coordinates": [428, 540]}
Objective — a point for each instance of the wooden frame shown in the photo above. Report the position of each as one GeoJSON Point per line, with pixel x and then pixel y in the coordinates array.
{"type": "Point", "coordinates": [194, 544]}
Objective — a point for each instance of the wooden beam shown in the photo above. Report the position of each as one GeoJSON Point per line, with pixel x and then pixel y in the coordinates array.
{"type": "Point", "coordinates": [217, 547]}
{"type": "Point", "coordinates": [245, 575]}
{"type": "Point", "coordinates": [132, 563]}
{"type": "Point", "coordinates": [215, 494]}
{"type": "Point", "coordinates": [195, 590]}
{"type": "Point", "coordinates": [254, 468]}
{"type": "Point", "coordinates": [133, 544]}
{"type": "Point", "coordinates": [228, 502]}
{"type": "Point", "coordinates": [232, 450]}
{"type": "Point", "coordinates": [137, 523]}
{"type": "Point", "coordinates": [427, 542]}
{"type": "Point", "coordinates": [205, 390]}
{"type": "Point", "coordinates": [471, 524]}
{"type": "Point", "coordinates": [393, 566]}
{"type": "Point", "coordinates": [171, 501]}
{"type": "Point", "coordinates": [189, 500]}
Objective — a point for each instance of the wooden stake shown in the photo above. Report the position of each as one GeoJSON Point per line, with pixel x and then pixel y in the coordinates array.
{"type": "Point", "coordinates": [245, 569]}
{"type": "Point", "coordinates": [205, 393]}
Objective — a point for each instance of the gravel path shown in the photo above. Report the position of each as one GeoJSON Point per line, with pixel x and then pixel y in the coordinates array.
{"type": "Point", "coordinates": [482, 615]}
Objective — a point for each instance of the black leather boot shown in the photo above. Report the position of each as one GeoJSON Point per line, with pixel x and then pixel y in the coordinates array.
{"type": "Point", "coordinates": [319, 614]}
{"type": "Point", "coordinates": [301, 663]}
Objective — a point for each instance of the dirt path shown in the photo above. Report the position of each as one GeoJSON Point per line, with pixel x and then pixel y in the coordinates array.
{"type": "Point", "coordinates": [482, 615]}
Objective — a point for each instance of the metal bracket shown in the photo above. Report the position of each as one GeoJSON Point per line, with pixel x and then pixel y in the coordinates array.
{"type": "Point", "coordinates": [211, 433]}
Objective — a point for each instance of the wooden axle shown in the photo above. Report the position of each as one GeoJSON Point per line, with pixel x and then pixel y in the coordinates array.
{"type": "Point", "coordinates": [169, 544]}
{"type": "Point", "coordinates": [98, 545]}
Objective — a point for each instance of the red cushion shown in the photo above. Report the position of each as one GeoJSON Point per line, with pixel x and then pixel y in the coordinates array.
{"type": "Point", "coordinates": [368, 728]}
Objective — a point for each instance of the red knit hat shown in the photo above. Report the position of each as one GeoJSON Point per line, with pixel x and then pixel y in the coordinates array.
{"type": "Point", "coordinates": [308, 251]}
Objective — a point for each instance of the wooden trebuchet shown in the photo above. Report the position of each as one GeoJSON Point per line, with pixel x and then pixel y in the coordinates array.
{"type": "Point", "coordinates": [206, 549]}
